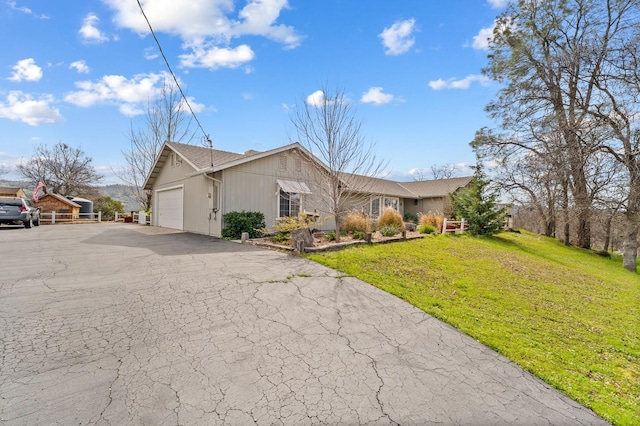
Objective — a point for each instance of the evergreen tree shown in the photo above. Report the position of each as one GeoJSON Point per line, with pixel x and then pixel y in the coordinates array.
{"type": "Point", "coordinates": [478, 205]}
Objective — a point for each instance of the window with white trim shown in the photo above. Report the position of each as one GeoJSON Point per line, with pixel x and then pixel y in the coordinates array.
{"type": "Point", "coordinates": [375, 207]}
{"type": "Point", "coordinates": [290, 203]}
{"type": "Point", "coordinates": [392, 202]}
{"type": "Point", "coordinates": [377, 204]}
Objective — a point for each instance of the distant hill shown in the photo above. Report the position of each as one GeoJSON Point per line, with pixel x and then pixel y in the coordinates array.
{"type": "Point", "coordinates": [122, 193]}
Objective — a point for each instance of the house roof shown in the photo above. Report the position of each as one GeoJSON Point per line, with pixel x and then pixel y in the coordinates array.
{"type": "Point", "coordinates": [60, 198]}
{"type": "Point", "coordinates": [9, 190]}
{"type": "Point", "coordinates": [419, 189]}
{"type": "Point", "coordinates": [437, 187]}
{"type": "Point", "coordinates": [200, 159]}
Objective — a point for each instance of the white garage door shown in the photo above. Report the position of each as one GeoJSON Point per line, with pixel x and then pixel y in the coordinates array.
{"type": "Point", "coordinates": [170, 209]}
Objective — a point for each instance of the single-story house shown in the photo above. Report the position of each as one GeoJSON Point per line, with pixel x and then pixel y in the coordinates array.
{"type": "Point", "coordinates": [6, 191]}
{"type": "Point", "coordinates": [57, 203]}
{"type": "Point", "coordinates": [194, 187]}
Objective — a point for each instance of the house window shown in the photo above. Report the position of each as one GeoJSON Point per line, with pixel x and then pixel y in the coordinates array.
{"type": "Point", "coordinates": [391, 202]}
{"type": "Point", "coordinates": [289, 203]}
{"type": "Point", "coordinates": [290, 197]}
{"type": "Point", "coordinates": [379, 203]}
{"type": "Point", "coordinates": [375, 207]}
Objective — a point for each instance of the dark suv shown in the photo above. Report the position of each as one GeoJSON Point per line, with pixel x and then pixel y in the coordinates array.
{"type": "Point", "coordinates": [19, 211]}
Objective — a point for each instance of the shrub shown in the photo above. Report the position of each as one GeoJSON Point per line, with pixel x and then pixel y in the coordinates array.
{"type": "Point", "coordinates": [410, 217]}
{"type": "Point", "coordinates": [390, 216]}
{"type": "Point", "coordinates": [330, 236]}
{"type": "Point", "coordinates": [108, 206]}
{"type": "Point", "coordinates": [358, 235]}
{"type": "Point", "coordinates": [434, 219]}
{"type": "Point", "coordinates": [356, 221]}
{"type": "Point", "coordinates": [289, 223]}
{"type": "Point", "coordinates": [389, 230]}
{"type": "Point", "coordinates": [427, 228]}
{"type": "Point", "coordinates": [281, 238]}
{"type": "Point", "coordinates": [235, 223]}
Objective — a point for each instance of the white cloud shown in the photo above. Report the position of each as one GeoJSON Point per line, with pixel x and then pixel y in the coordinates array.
{"type": "Point", "coordinates": [208, 26]}
{"type": "Point", "coordinates": [376, 96]}
{"type": "Point", "coordinates": [14, 5]}
{"type": "Point", "coordinates": [316, 99]}
{"type": "Point", "coordinates": [498, 4]}
{"type": "Point", "coordinates": [465, 83]}
{"type": "Point", "coordinates": [397, 38]}
{"type": "Point", "coordinates": [195, 107]}
{"type": "Point", "coordinates": [482, 39]}
{"type": "Point", "coordinates": [259, 17]}
{"type": "Point", "coordinates": [89, 30]}
{"type": "Point", "coordinates": [129, 95]}
{"type": "Point", "coordinates": [26, 70]}
{"type": "Point", "coordinates": [150, 53]}
{"type": "Point", "coordinates": [80, 66]}
{"type": "Point", "coordinates": [21, 106]}
{"type": "Point", "coordinates": [214, 57]}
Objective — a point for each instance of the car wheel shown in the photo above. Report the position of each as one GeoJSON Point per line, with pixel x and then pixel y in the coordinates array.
{"type": "Point", "coordinates": [28, 223]}
{"type": "Point", "coordinates": [36, 222]}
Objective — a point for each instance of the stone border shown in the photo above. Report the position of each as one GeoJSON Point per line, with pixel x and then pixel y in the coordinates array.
{"type": "Point", "coordinates": [330, 247]}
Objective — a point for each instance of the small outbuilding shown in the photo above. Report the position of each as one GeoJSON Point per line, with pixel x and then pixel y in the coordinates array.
{"type": "Point", "coordinates": [57, 203]}
{"type": "Point", "coordinates": [6, 191]}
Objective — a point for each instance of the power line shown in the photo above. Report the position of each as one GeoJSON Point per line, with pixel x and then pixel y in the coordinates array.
{"type": "Point", "coordinates": [175, 79]}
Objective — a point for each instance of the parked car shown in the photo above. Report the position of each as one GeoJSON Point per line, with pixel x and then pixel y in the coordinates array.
{"type": "Point", "coordinates": [19, 211]}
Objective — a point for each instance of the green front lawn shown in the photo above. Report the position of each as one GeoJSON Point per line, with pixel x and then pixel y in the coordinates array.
{"type": "Point", "coordinates": [568, 316]}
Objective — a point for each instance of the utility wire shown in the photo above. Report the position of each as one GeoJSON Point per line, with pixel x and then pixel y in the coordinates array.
{"type": "Point", "coordinates": [175, 79]}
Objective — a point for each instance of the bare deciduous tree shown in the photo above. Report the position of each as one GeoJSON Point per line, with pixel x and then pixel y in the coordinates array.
{"type": "Point", "coordinates": [445, 171]}
{"type": "Point", "coordinates": [63, 169]}
{"type": "Point", "coordinates": [571, 68]}
{"type": "Point", "coordinates": [327, 126]}
{"type": "Point", "coordinates": [166, 119]}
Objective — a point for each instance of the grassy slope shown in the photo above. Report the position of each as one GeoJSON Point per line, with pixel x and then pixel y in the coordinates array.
{"type": "Point", "coordinates": [570, 317]}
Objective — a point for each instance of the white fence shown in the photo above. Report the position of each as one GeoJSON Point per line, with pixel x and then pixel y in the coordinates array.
{"type": "Point", "coordinates": [136, 217]}
{"type": "Point", "coordinates": [56, 217]}
{"type": "Point", "coordinates": [454, 226]}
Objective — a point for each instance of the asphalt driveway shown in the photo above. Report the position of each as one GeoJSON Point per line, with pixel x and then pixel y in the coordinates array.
{"type": "Point", "coordinates": [120, 324]}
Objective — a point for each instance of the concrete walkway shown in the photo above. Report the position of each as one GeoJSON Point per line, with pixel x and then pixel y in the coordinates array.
{"type": "Point", "coordinates": [119, 324]}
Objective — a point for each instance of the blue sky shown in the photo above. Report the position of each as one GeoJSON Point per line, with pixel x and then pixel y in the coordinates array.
{"type": "Point", "coordinates": [80, 72]}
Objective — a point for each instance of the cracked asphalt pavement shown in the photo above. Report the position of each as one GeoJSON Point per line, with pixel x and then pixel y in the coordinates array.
{"type": "Point", "coordinates": [118, 324]}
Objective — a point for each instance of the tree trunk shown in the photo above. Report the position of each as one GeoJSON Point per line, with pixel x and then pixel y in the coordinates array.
{"type": "Point", "coordinates": [630, 243]}
{"type": "Point", "coordinates": [607, 232]}
{"type": "Point", "coordinates": [565, 214]}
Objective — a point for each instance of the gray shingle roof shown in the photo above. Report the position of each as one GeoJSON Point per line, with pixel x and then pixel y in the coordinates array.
{"type": "Point", "coordinates": [201, 157]}
{"type": "Point", "coordinates": [437, 187]}
{"type": "Point", "coordinates": [420, 189]}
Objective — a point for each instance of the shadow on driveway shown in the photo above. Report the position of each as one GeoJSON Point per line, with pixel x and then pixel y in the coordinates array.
{"type": "Point", "coordinates": [166, 242]}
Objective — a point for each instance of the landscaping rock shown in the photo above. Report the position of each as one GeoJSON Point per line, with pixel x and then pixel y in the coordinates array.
{"type": "Point", "coordinates": [301, 238]}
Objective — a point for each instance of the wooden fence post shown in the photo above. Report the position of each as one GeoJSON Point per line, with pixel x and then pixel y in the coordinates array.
{"type": "Point", "coordinates": [444, 226]}
{"type": "Point", "coordinates": [53, 217]}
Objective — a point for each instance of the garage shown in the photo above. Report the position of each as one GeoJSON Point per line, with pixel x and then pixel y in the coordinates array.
{"type": "Point", "coordinates": [170, 203]}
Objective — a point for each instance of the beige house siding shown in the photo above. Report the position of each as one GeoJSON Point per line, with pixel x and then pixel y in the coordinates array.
{"type": "Point", "coordinates": [252, 186]}
{"type": "Point", "coordinates": [426, 205]}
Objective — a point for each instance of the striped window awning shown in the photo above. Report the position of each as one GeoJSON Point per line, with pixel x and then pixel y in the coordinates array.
{"type": "Point", "coordinates": [293, 187]}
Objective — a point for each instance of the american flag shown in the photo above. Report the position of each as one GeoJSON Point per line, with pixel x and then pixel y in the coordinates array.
{"type": "Point", "coordinates": [35, 191]}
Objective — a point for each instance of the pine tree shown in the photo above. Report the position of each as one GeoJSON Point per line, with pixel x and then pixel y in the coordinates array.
{"type": "Point", "coordinates": [478, 205]}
